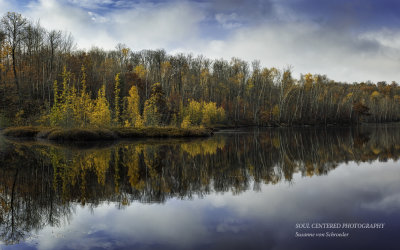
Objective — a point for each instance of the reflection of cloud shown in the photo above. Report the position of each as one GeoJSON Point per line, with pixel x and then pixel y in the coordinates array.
{"type": "Point", "coordinates": [227, 220]}
{"type": "Point", "coordinates": [338, 194]}
{"type": "Point", "coordinates": [231, 225]}
{"type": "Point", "coordinates": [388, 204]}
{"type": "Point", "coordinates": [168, 224]}
{"type": "Point", "coordinates": [140, 224]}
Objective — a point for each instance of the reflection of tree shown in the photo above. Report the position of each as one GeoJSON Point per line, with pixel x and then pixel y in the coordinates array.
{"type": "Point", "coordinates": [27, 200]}
{"type": "Point", "coordinates": [204, 147]}
{"type": "Point", "coordinates": [40, 184]}
{"type": "Point", "coordinates": [13, 230]}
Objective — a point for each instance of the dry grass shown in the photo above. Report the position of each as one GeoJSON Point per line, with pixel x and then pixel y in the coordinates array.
{"type": "Point", "coordinates": [22, 132]}
{"type": "Point", "coordinates": [81, 134]}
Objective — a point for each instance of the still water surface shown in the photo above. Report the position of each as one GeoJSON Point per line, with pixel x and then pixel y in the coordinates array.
{"type": "Point", "coordinates": [243, 189]}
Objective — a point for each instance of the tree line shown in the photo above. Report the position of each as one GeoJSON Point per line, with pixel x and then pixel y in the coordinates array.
{"type": "Point", "coordinates": [157, 89]}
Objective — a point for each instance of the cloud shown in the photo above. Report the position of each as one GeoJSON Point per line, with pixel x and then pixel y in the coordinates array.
{"type": "Point", "coordinates": [249, 10]}
{"type": "Point", "coordinates": [347, 40]}
{"type": "Point", "coordinates": [97, 18]}
{"type": "Point", "coordinates": [157, 25]}
{"type": "Point", "coordinates": [366, 14]}
{"type": "Point", "coordinates": [91, 4]}
{"type": "Point", "coordinates": [309, 47]}
{"type": "Point", "coordinates": [228, 21]}
{"type": "Point", "coordinates": [143, 26]}
{"type": "Point", "coordinates": [60, 16]}
{"type": "Point", "coordinates": [4, 5]}
{"type": "Point", "coordinates": [386, 37]}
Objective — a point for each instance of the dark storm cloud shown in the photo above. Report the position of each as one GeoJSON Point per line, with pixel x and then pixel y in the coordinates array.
{"type": "Point", "coordinates": [357, 14]}
{"type": "Point", "coordinates": [250, 8]}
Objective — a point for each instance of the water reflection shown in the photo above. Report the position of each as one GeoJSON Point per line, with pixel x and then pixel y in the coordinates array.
{"type": "Point", "coordinates": [42, 184]}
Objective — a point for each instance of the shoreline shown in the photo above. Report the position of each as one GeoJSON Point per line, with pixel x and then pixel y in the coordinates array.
{"type": "Point", "coordinates": [101, 134]}
{"type": "Point", "coordinates": [119, 133]}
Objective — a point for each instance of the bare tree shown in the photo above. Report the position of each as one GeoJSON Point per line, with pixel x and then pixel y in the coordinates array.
{"type": "Point", "coordinates": [13, 25]}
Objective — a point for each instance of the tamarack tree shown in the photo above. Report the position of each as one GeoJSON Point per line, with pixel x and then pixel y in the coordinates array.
{"type": "Point", "coordinates": [132, 111]}
{"type": "Point", "coordinates": [71, 109]}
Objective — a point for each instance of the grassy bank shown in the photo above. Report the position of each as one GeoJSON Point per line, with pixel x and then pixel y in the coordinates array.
{"type": "Point", "coordinates": [99, 134]}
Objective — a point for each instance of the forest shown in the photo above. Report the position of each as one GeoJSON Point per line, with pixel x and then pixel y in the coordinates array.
{"type": "Point", "coordinates": [45, 80]}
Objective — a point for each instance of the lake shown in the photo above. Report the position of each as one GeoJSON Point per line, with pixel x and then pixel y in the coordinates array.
{"type": "Point", "coordinates": [280, 188]}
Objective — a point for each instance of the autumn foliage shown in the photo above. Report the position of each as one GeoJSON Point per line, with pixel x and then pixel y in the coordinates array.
{"type": "Point", "coordinates": [73, 109]}
{"type": "Point", "coordinates": [45, 81]}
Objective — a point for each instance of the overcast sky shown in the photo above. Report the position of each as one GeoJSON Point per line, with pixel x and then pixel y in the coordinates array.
{"type": "Point", "coordinates": [348, 40]}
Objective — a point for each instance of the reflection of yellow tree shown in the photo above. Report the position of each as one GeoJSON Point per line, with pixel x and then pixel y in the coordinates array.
{"type": "Point", "coordinates": [150, 157]}
{"type": "Point", "coordinates": [116, 170]}
{"type": "Point", "coordinates": [68, 171]}
{"type": "Point", "coordinates": [309, 168]}
{"type": "Point", "coordinates": [157, 170]}
{"type": "Point", "coordinates": [100, 160]}
{"type": "Point", "coordinates": [192, 149]}
{"type": "Point", "coordinates": [59, 166]}
{"type": "Point", "coordinates": [83, 187]}
{"type": "Point", "coordinates": [132, 163]}
{"type": "Point", "coordinates": [205, 147]}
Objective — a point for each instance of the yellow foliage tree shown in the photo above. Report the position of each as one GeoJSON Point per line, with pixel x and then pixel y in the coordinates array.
{"type": "Point", "coordinates": [186, 122]}
{"type": "Point", "coordinates": [117, 90]}
{"type": "Point", "coordinates": [308, 81]}
{"type": "Point", "coordinates": [375, 95]}
{"type": "Point", "coordinates": [165, 68]}
{"type": "Point", "coordinates": [83, 103]}
{"type": "Point", "coordinates": [62, 112]}
{"type": "Point", "coordinates": [67, 97]}
{"type": "Point", "coordinates": [202, 113]}
{"type": "Point", "coordinates": [194, 112]}
{"type": "Point", "coordinates": [5, 50]}
{"type": "Point", "coordinates": [155, 108]}
{"type": "Point", "coordinates": [150, 113]}
{"type": "Point", "coordinates": [70, 108]}
{"type": "Point", "coordinates": [141, 71]}
{"type": "Point", "coordinates": [209, 113]}
{"type": "Point", "coordinates": [101, 115]}
{"type": "Point", "coordinates": [221, 116]}
{"type": "Point", "coordinates": [132, 111]}
{"type": "Point", "coordinates": [55, 113]}
{"type": "Point", "coordinates": [275, 112]}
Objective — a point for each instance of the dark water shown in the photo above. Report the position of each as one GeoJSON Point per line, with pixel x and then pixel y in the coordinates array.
{"type": "Point", "coordinates": [235, 190]}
